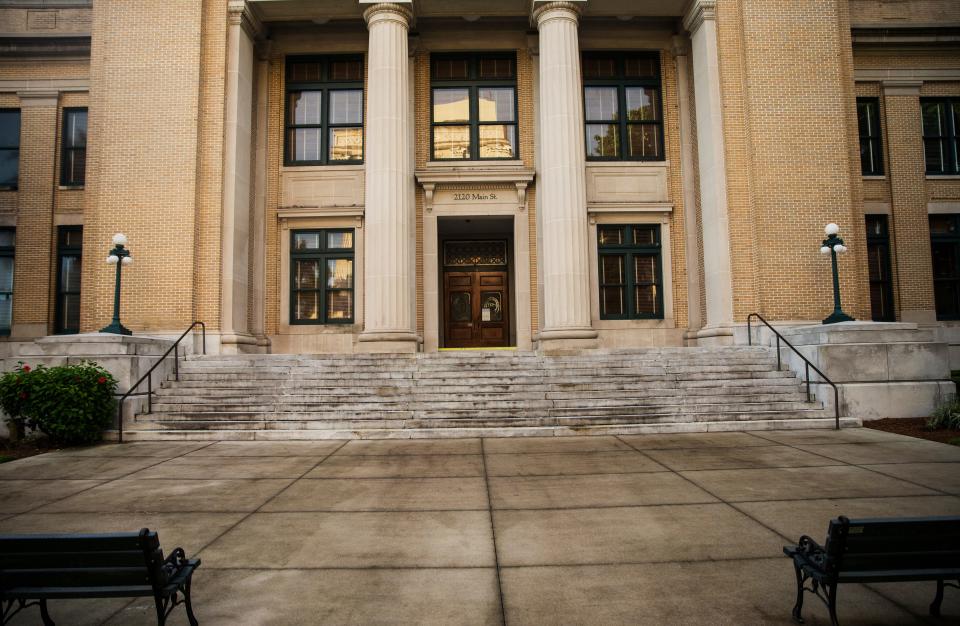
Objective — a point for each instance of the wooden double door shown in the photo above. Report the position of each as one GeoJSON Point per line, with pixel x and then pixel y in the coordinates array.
{"type": "Point", "coordinates": [476, 309]}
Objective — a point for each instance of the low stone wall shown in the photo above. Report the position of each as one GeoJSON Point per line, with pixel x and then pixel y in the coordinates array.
{"type": "Point", "coordinates": [126, 357]}
{"type": "Point", "coordinates": [882, 369]}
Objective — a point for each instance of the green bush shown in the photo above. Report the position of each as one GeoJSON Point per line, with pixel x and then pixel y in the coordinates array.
{"type": "Point", "coordinates": [71, 404]}
{"type": "Point", "coordinates": [947, 415]}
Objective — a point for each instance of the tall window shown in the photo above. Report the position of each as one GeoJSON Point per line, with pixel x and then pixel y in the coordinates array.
{"type": "Point", "coordinates": [622, 106]}
{"type": "Point", "coordinates": [7, 244]}
{"type": "Point", "coordinates": [871, 155]}
{"type": "Point", "coordinates": [73, 160]}
{"type": "Point", "coordinates": [474, 107]}
{"type": "Point", "coordinates": [69, 257]}
{"type": "Point", "coordinates": [941, 133]}
{"type": "Point", "coordinates": [945, 248]}
{"type": "Point", "coordinates": [321, 276]}
{"type": "Point", "coordinates": [324, 111]}
{"type": "Point", "coordinates": [878, 255]}
{"type": "Point", "coordinates": [631, 277]}
{"type": "Point", "coordinates": [9, 148]}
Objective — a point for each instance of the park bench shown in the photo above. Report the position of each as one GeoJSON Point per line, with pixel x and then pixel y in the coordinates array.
{"type": "Point", "coordinates": [38, 568]}
{"type": "Point", "coordinates": [877, 551]}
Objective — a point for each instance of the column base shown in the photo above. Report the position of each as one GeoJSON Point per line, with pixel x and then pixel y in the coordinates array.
{"type": "Point", "coordinates": [567, 340]}
{"type": "Point", "coordinates": [239, 343]}
{"type": "Point", "coordinates": [388, 342]}
{"type": "Point", "coordinates": [720, 335]}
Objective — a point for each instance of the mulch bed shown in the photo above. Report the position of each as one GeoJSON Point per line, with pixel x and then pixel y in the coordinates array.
{"type": "Point", "coordinates": [914, 427]}
{"type": "Point", "coordinates": [10, 451]}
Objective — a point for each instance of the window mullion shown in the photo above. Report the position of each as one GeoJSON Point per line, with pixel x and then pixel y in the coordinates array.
{"type": "Point", "coordinates": [474, 95]}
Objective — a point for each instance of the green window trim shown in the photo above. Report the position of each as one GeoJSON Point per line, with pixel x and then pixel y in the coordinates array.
{"type": "Point", "coordinates": [945, 255]}
{"type": "Point", "coordinates": [7, 254]}
{"type": "Point", "coordinates": [625, 124]}
{"type": "Point", "coordinates": [69, 251]}
{"type": "Point", "coordinates": [327, 296]}
{"type": "Point", "coordinates": [871, 136]}
{"type": "Point", "coordinates": [622, 286]}
{"type": "Point", "coordinates": [881, 281]}
{"type": "Point", "coordinates": [473, 83]}
{"type": "Point", "coordinates": [9, 149]}
{"type": "Point", "coordinates": [322, 87]}
{"type": "Point", "coordinates": [73, 147]}
{"type": "Point", "coordinates": [940, 119]}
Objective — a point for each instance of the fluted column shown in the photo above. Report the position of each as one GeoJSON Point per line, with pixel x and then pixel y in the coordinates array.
{"type": "Point", "coordinates": [389, 287]}
{"type": "Point", "coordinates": [701, 21]}
{"type": "Point", "coordinates": [561, 190]}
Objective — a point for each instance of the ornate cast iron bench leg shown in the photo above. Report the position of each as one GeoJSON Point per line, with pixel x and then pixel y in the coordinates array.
{"type": "Point", "coordinates": [937, 600]}
{"type": "Point", "coordinates": [798, 607]}
{"type": "Point", "coordinates": [45, 614]}
{"type": "Point", "coordinates": [831, 591]}
{"type": "Point", "coordinates": [188, 603]}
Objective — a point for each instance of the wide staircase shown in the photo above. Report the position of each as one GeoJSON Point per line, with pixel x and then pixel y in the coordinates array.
{"type": "Point", "coordinates": [460, 394]}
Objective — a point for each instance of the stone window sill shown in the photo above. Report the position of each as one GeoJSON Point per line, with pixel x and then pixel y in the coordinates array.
{"type": "Point", "coordinates": [944, 177]}
{"type": "Point", "coordinates": [70, 187]}
{"type": "Point", "coordinates": [881, 177]}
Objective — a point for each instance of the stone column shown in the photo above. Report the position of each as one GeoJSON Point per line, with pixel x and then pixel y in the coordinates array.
{"type": "Point", "coordinates": [258, 217]}
{"type": "Point", "coordinates": [237, 141]}
{"type": "Point", "coordinates": [562, 196]}
{"type": "Point", "coordinates": [389, 287]}
{"type": "Point", "coordinates": [687, 164]}
{"type": "Point", "coordinates": [910, 225]}
{"type": "Point", "coordinates": [701, 21]}
{"type": "Point", "coordinates": [32, 267]}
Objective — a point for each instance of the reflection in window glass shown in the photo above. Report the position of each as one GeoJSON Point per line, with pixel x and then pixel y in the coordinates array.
{"type": "Point", "coordinates": [322, 276]}
{"type": "Point", "coordinates": [602, 140]}
{"type": "Point", "coordinates": [346, 144]}
{"type": "Point", "coordinates": [304, 241]}
{"type": "Point", "coordinates": [451, 142]}
{"type": "Point", "coordinates": [340, 240]}
{"type": "Point", "coordinates": [339, 273]}
{"type": "Point", "coordinates": [497, 141]}
{"type": "Point", "coordinates": [601, 104]}
{"type": "Point", "coordinates": [451, 105]}
{"type": "Point", "coordinates": [496, 105]}
{"type": "Point", "coordinates": [630, 272]}
{"type": "Point", "coordinates": [324, 116]}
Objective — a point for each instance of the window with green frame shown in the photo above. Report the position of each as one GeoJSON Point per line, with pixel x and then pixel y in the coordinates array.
{"type": "Point", "coordinates": [622, 106]}
{"type": "Point", "coordinates": [941, 135]}
{"type": "Point", "coordinates": [871, 154]}
{"type": "Point", "coordinates": [945, 252]}
{"type": "Point", "coordinates": [321, 276]}
{"type": "Point", "coordinates": [324, 118]}
{"type": "Point", "coordinates": [8, 238]}
{"type": "Point", "coordinates": [69, 260]}
{"type": "Point", "coordinates": [631, 273]}
{"type": "Point", "coordinates": [73, 155]}
{"type": "Point", "coordinates": [473, 107]}
{"type": "Point", "coordinates": [9, 148]}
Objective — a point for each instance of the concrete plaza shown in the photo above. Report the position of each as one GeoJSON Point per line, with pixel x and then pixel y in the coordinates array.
{"type": "Point", "coordinates": [651, 529]}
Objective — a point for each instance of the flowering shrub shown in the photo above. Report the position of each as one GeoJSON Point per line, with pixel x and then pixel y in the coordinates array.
{"type": "Point", "coordinates": [71, 404]}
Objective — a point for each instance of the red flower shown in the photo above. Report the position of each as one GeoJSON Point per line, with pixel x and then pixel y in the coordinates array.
{"type": "Point", "coordinates": [102, 380]}
{"type": "Point", "coordinates": [26, 368]}
{"type": "Point", "coordinates": [23, 395]}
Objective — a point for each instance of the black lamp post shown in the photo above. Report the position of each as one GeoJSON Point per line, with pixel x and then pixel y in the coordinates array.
{"type": "Point", "coordinates": [833, 245]}
{"type": "Point", "coordinates": [119, 256]}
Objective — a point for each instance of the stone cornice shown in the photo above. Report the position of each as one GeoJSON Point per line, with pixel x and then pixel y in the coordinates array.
{"type": "Point", "coordinates": [389, 11]}
{"type": "Point", "coordinates": [539, 7]}
{"type": "Point", "coordinates": [240, 12]}
{"type": "Point", "coordinates": [698, 12]}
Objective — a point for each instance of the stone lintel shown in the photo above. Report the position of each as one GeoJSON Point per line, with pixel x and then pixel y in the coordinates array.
{"type": "Point", "coordinates": [902, 87]}
{"type": "Point", "coordinates": [38, 97]}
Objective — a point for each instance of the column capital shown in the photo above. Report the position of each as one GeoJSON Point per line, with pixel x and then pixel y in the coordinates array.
{"type": "Point", "coordinates": [901, 87]}
{"type": "Point", "coordinates": [679, 46]}
{"type": "Point", "coordinates": [568, 9]}
{"type": "Point", "coordinates": [241, 13]}
{"type": "Point", "coordinates": [399, 11]}
{"type": "Point", "coordinates": [698, 12]}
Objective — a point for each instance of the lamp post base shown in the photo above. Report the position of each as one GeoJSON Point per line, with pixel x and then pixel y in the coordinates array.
{"type": "Point", "coordinates": [117, 329]}
{"type": "Point", "coordinates": [838, 316]}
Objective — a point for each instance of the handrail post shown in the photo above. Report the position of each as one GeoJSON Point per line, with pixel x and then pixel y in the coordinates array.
{"type": "Point", "coordinates": [120, 421]}
{"type": "Point", "coordinates": [778, 352]}
{"type": "Point", "coordinates": [808, 380]}
{"type": "Point", "coordinates": [836, 404]}
{"type": "Point", "coordinates": [749, 331]}
{"type": "Point", "coordinates": [203, 335]}
{"type": "Point", "coordinates": [176, 362]}
{"type": "Point", "coordinates": [150, 392]}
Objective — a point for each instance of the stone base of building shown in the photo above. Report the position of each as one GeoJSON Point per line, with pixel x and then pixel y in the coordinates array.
{"type": "Point", "coordinates": [567, 340]}
{"type": "Point", "coordinates": [882, 369]}
{"type": "Point", "coordinates": [712, 336]}
{"type": "Point", "coordinates": [242, 343]}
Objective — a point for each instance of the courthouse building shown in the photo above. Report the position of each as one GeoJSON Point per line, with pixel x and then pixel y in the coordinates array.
{"type": "Point", "coordinates": [311, 176]}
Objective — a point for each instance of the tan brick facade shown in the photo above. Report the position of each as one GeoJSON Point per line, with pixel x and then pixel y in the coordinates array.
{"type": "Point", "coordinates": [789, 75]}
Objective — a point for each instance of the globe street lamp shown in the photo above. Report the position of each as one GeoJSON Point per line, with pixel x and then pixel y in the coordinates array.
{"type": "Point", "coordinates": [119, 256]}
{"type": "Point", "coordinates": [833, 245]}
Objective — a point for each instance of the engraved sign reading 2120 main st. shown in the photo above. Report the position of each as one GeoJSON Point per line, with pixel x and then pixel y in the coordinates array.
{"type": "Point", "coordinates": [467, 197]}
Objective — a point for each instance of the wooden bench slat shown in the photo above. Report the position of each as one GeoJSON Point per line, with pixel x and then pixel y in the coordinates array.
{"type": "Point", "coordinates": [54, 593]}
{"type": "Point", "coordinates": [12, 544]}
{"type": "Point", "coordinates": [40, 560]}
{"type": "Point", "coordinates": [75, 577]}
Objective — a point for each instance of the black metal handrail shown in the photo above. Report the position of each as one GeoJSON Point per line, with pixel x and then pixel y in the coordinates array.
{"type": "Point", "coordinates": [149, 378]}
{"type": "Point", "coordinates": [836, 390]}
